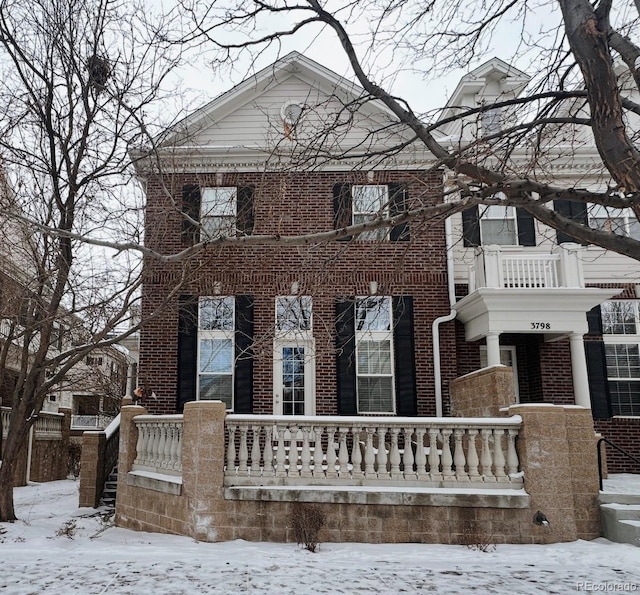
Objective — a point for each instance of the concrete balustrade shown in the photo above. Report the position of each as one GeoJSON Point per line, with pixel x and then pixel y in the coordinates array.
{"type": "Point", "coordinates": [427, 452]}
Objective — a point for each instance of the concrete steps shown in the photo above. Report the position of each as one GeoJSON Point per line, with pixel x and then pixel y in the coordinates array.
{"type": "Point", "coordinates": [620, 517]}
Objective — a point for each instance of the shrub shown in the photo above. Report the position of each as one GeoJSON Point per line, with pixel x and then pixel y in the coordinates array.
{"type": "Point", "coordinates": [306, 521]}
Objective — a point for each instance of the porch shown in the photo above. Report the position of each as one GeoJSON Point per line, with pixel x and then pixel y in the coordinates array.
{"type": "Point", "coordinates": [216, 476]}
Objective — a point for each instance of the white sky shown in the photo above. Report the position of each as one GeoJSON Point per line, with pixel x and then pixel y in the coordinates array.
{"type": "Point", "coordinates": [35, 560]}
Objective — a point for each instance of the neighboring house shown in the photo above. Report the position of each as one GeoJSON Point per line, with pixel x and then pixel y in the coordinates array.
{"type": "Point", "coordinates": [366, 326]}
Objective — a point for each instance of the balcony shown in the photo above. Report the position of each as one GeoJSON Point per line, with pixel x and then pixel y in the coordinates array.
{"type": "Point", "coordinates": [528, 293]}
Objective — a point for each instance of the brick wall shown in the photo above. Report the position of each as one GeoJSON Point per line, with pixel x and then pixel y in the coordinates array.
{"type": "Point", "coordinates": [296, 203]}
{"type": "Point", "coordinates": [624, 432]}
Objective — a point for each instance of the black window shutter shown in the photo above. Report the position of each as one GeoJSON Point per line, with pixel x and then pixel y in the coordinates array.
{"type": "Point", "coordinates": [406, 398]}
{"type": "Point", "coordinates": [191, 210]}
{"type": "Point", "coordinates": [597, 367]}
{"type": "Point", "coordinates": [243, 378]}
{"type": "Point", "coordinates": [526, 228]}
{"type": "Point", "coordinates": [345, 362]}
{"type": "Point", "coordinates": [342, 207]}
{"type": "Point", "coordinates": [577, 211]}
{"type": "Point", "coordinates": [398, 204]}
{"type": "Point", "coordinates": [187, 350]}
{"type": "Point", "coordinates": [245, 217]}
{"type": "Point", "coordinates": [471, 227]}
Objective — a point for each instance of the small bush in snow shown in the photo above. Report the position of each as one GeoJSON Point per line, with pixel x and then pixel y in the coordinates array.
{"type": "Point", "coordinates": [476, 539]}
{"type": "Point", "coordinates": [68, 529]}
{"type": "Point", "coordinates": [306, 521]}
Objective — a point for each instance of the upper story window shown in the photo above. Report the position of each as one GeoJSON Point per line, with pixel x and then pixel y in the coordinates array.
{"type": "Point", "coordinates": [374, 355]}
{"type": "Point", "coordinates": [293, 314]}
{"type": "Point", "coordinates": [370, 202]}
{"type": "Point", "coordinates": [359, 203]}
{"type": "Point", "coordinates": [619, 221]}
{"type": "Point", "coordinates": [491, 121]}
{"type": "Point", "coordinates": [216, 324]}
{"type": "Point", "coordinates": [498, 225]}
{"type": "Point", "coordinates": [218, 212]}
{"type": "Point", "coordinates": [621, 334]}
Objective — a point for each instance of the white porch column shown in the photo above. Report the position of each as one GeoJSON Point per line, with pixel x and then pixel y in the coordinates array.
{"type": "Point", "coordinates": [493, 349]}
{"type": "Point", "coordinates": [579, 371]}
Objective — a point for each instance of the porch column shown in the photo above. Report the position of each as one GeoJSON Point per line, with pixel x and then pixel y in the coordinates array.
{"type": "Point", "coordinates": [493, 349]}
{"type": "Point", "coordinates": [579, 371]}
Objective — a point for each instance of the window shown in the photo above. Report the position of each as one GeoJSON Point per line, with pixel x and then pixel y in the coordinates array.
{"type": "Point", "coordinates": [618, 221]}
{"type": "Point", "coordinates": [218, 212]}
{"type": "Point", "coordinates": [369, 203]}
{"type": "Point", "coordinates": [216, 349]}
{"type": "Point", "coordinates": [353, 204]}
{"type": "Point", "coordinates": [621, 334]}
{"type": "Point", "coordinates": [491, 121]}
{"type": "Point", "coordinates": [374, 355]}
{"type": "Point", "coordinates": [293, 313]}
{"type": "Point", "coordinates": [498, 225]}
{"type": "Point", "coordinates": [92, 360]}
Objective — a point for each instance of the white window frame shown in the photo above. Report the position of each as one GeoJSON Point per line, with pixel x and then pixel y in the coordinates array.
{"type": "Point", "coordinates": [362, 216]}
{"type": "Point", "coordinates": [511, 350]}
{"type": "Point", "coordinates": [491, 120]}
{"type": "Point", "coordinates": [290, 303]}
{"type": "Point", "coordinates": [619, 221]}
{"type": "Point", "coordinates": [502, 213]}
{"type": "Point", "coordinates": [225, 334]}
{"type": "Point", "coordinates": [377, 336]}
{"type": "Point", "coordinates": [219, 211]}
{"type": "Point", "coordinates": [624, 339]}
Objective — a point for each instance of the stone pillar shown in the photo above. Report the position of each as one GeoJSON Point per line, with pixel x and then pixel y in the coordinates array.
{"type": "Point", "coordinates": [91, 463]}
{"type": "Point", "coordinates": [482, 393]}
{"type": "Point", "coordinates": [556, 447]}
{"type": "Point", "coordinates": [493, 349]}
{"type": "Point", "coordinates": [127, 448]}
{"type": "Point", "coordinates": [579, 371]}
{"type": "Point", "coordinates": [203, 458]}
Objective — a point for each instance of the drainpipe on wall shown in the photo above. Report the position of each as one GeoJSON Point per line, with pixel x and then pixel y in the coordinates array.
{"type": "Point", "coordinates": [435, 328]}
{"type": "Point", "coordinates": [29, 452]}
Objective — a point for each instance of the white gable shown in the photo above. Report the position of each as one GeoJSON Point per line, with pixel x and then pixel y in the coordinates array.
{"type": "Point", "coordinates": [248, 124]}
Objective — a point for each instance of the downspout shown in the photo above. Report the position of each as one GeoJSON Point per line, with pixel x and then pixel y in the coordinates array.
{"type": "Point", "coordinates": [435, 328]}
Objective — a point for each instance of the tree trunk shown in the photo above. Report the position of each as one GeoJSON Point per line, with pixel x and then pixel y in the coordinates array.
{"type": "Point", "coordinates": [7, 511]}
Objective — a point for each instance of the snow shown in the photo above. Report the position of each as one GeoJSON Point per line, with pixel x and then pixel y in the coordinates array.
{"type": "Point", "coordinates": [37, 557]}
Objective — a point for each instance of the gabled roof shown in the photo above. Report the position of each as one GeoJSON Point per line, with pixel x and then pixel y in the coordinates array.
{"type": "Point", "coordinates": [293, 63]}
{"type": "Point", "coordinates": [510, 79]}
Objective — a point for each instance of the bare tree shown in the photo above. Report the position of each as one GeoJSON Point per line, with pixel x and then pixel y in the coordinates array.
{"type": "Point", "coordinates": [578, 93]}
{"type": "Point", "coordinates": [77, 77]}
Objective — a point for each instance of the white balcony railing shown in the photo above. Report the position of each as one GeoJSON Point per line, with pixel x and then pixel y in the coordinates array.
{"type": "Point", "coordinates": [359, 451]}
{"type": "Point", "coordinates": [498, 269]}
{"type": "Point", "coordinates": [49, 426]}
{"type": "Point", "coordinates": [90, 422]}
{"type": "Point", "coordinates": [159, 446]}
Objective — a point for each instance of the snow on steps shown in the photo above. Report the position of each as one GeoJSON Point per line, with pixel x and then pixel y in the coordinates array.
{"type": "Point", "coordinates": [620, 517]}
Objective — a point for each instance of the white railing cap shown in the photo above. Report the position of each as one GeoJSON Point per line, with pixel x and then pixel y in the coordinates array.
{"type": "Point", "coordinates": [175, 417]}
{"type": "Point", "coordinates": [111, 429]}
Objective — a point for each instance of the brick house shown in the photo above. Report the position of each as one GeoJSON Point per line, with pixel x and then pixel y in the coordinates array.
{"type": "Point", "coordinates": [384, 323]}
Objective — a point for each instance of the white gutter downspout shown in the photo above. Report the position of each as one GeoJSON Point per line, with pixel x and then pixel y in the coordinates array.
{"type": "Point", "coordinates": [435, 328]}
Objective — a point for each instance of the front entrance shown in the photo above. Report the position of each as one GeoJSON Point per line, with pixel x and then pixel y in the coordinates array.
{"type": "Point", "coordinates": [294, 378]}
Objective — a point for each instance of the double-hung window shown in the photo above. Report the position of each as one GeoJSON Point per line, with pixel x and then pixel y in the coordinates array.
{"type": "Point", "coordinates": [498, 225]}
{"type": "Point", "coordinates": [621, 334]}
{"type": "Point", "coordinates": [216, 324]}
{"type": "Point", "coordinates": [374, 355]}
{"type": "Point", "coordinates": [219, 207]}
{"type": "Point", "coordinates": [370, 202]}
{"type": "Point", "coordinates": [619, 221]}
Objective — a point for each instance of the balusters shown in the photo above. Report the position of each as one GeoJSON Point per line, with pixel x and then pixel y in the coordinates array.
{"type": "Point", "coordinates": [381, 456]}
{"type": "Point", "coordinates": [369, 456]}
{"type": "Point", "coordinates": [331, 452]}
{"type": "Point", "coordinates": [458, 455]}
{"type": "Point", "coordinates": [421, 457]}
{"type": "Point", "coordinates": [318, 454]}
{"type": "Point", "coordinates": [231, 451]}
{"type": "Point", "coordinates": [498, 456]}
{"type": "Point", "coordinates": [512, 455]}
{"type": "Point", "coordinates": [281, 455]}
{"type": "Point", "coordinates": [356, 454]}
{"type": "Point", "coordinates": [485, 455]}
{"type": "Point", "coordinates": [407, 455]}
{"type": "Point", "coordinates": [305, 457]}
{"type": "Point", "coordinates": [472, 456]}
{"type": "Point", "coordinates": [394, 455]}
{"type": "Point", "coordinates": [267, 455]}
{"type": "Point", "coordinates": [434, 457]}
{"type": "Point", "coordinates": [446, 459]}
{"type": "Point", "coordinates": [255, 451]}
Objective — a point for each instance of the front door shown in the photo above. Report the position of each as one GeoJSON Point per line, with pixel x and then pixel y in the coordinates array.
{"type": "Point", "coordinates": [293, 378]}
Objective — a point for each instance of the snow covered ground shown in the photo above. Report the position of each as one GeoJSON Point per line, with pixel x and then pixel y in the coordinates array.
{"type": "Point", "coordinates": [42, 553]}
